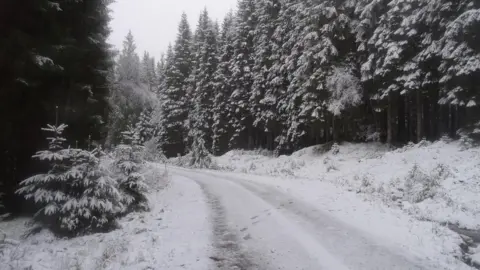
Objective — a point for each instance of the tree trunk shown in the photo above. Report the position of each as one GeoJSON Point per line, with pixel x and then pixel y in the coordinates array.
{"type": "Point", "coordinates": [435, 115]}
{"type": "Point", "coordinates": [327, 130]}
{"type": "Point", "coordinates": [390, 119]}
{"type": "Point", "coordinates": [426, 118]}
{"type": "Point", "coordinates": [401, 120]}
{"type": "Point", "coordinates": [419, 110]}
{"type": "Point", "coordinates": [269, 140]}
{"type": "Point", "coordinates": [250, 139]}
{"type": "Point", "coordinates": [335, 128]}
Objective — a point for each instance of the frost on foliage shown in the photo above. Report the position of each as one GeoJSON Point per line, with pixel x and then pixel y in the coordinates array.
{"type": "Point", "coordinates": [76, 196]}
{"type": "Point", "coordinates": [128, 163]}
{"type": "Point", "coordinates": [345, 90]}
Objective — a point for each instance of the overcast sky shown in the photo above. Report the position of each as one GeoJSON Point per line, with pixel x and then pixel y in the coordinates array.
{"type": "Point", "coordinates": [154, 22]}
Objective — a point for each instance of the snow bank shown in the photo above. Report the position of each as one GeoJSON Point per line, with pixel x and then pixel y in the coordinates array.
{"type": "Point", "coordinates": [430, 181]}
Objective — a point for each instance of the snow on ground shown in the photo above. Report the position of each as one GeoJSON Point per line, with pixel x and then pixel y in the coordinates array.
{"type": "Point", "coordinates": [423, 187]}
{"type": "Point", "coordinates": [173, 235]}
{"type": "Point", "coordinates": [438, 182]}
{"type": "Point", "coordinates": [476, 256]}
{"type": "Point", "coordinates": [436, 245]}
{"type": "Point", "coordinates": [303, 221]}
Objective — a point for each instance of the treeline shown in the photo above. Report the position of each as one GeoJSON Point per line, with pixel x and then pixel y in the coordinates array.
{"type": "Point", "coordinates": [285, 74]}
{"type": "Point", "coordinates": [52, 54]}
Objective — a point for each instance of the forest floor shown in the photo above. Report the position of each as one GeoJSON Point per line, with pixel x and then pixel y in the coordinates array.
{"type": "Point", "coordinates": [355, 208]}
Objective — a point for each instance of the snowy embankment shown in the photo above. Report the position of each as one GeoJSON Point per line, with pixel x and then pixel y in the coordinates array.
{"type": "Point", "coordinates": [435, 184]}
{"type": "Point", "coordinates": [162, 238]}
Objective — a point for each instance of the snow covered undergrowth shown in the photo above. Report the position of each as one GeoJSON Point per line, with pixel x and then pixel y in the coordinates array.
{"type": "Point", "coordinates": [158, 239]}
{"type": "Point", "coordinates": [433, 183]}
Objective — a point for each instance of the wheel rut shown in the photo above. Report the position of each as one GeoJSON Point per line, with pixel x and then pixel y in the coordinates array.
{"type": "Point", "coordinates": [228, 253]}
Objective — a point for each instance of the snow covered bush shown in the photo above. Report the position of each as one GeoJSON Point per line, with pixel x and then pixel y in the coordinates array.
{"type": "Point", "coordinates": [76, 195]}
{"type": "Point", "coordinates": [335, 149]}
{"type": "Point", "coordinates": [128, 163]}
{"type": "Point", "coordinates": [366, 183]}
{"type": "Point", "coordinates": [330, 164]}
{"type": "Point", "coordinates": [420, 186]}
{"type": "Point", "coordinates": [200, 158]}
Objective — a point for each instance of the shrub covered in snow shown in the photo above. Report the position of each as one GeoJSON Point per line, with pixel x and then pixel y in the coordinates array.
{"type": "Point", "coordinates": [200, 157]}
{"type": "Point", "coordinates": [128, 163]}
{"type": "Point", "coordinates": [419, 185]}
{"type": "Point", "coordinates": [76, 196]}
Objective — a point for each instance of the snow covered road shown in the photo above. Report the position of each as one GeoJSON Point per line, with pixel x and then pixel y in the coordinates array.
{"type": "Point", "coordinates": [258, 226]}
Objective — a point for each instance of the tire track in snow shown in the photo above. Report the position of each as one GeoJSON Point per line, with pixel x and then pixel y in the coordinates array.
{"type": "Point", "coordinates": [228, 252]}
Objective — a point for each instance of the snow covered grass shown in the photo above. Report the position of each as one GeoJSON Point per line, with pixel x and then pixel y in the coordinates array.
{"type": "Point", "coordinates": [430, 181]}
{"type": "Point", "coordinates": [137, 245]}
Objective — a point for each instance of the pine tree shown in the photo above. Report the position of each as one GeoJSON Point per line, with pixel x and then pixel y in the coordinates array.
{"type": "Point", "coordinates": [147, 71]}
{"type": "Point", "coordinates": [152, 74]}
{"type": "Point", "coordinates": [53, 53]}
{"type": "Point", "coordinates": [222, 87]}
{"type": "Point", "coordinates": [75, 196]}
{"type": "Point", "coordinates": [144, 76]}
{"type": "Point", "coordinates": [241, 65]}
{"type": "Point", "coordinates": [129, 63]}
{"type": "Point", "coordinates": [144, 128]}
{"type": "Point", "coordinates": [200, 155]}
{"type": "Point", "coordinates": [132, 183]}
{"type": "Point", "coordinates": [160, 75]}
{"type": "Point", "coordinates": [131, 136]}
{"type": "Point", "coordinates": [176, 103]}
{"type": "Point", "coordinates": [129, 162]}
{"type": "Point", "coordinates": [280, 74]}
{"type": "Point", "coordinates": [262, 98]}
{"type": "Point", "coordinates": [201, 117]}
{"type": "Point", "coordinates": [460, 65]}
{"type": "Point", "coordinates": [285, 74]}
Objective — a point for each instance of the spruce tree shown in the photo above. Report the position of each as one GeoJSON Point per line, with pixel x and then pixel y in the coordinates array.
{"type": "Point", "coordinates": [201, 117]}
{"type": "Point", "coordinates": [129, 162]}
{"type": "Point", "coordinates": [280, 74]}
{"type": "Point", "coordinates": [176, 103]}
{"type": "Point", "coordinates": [263, 100]}
{"type": "Point", "coordinates": [240, 118]}
{"type": "Point", "coordinates": [76, 196]}
{"type": "Point", "coordinates": [200, 155]}
{"type": "Point", "coordinates": [222, 87]}
{"type": "Point", "coordinates": [128, 63]}
{"type": "Point", "coordinates": [53, 52]}
{"type": "Point", "coordinates": [144, 128]}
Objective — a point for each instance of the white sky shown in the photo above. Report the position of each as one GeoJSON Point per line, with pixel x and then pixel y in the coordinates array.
{"type": "Point", "coordinates": [154, 23]}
